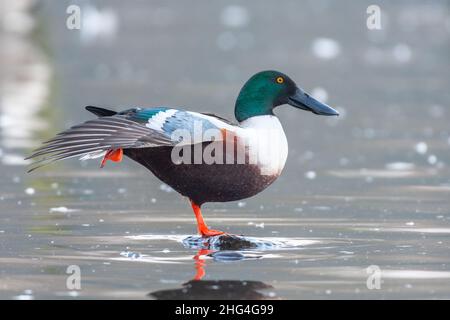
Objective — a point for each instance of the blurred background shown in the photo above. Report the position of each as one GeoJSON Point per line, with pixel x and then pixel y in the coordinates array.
{"type": "Point", "coordinates": [371, 187]}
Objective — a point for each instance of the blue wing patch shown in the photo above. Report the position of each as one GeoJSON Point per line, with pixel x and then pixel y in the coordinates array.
{"type": "Point", "coordinates": [143, 115]}
{"type": "Point", "coordinates": [168, 120]}
{"type": "Point", "coordinates": [187, 121]}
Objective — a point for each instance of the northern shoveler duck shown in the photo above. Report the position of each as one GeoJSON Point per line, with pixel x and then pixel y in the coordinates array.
{"type": "Point", "coordinates": [202, 156]}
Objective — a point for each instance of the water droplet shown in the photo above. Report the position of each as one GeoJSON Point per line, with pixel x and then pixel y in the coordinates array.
{"type": "Point", "coordinates": [62, 210]}
{"type": "Point", "coordinates": [320, 94]}
{"type": "Point", "coordinates": [432, 159]}
{"type": "Point", "coordinates": [166, 188]}
{"type": "Point", "coordinates": [325, 48]}
{"type": "Point", "coordinates": [235, 16]}
{"type": "Point", "coordinates": [260, 225]}
{"type": "Point", "coordinates": [421, 147]}
{"type": "Point", "coordinates": [400, 166]}
{"type": "Point", "coordinates": [402, 53]}
{"type": "Point", "coordinates": [241, 204]}
{"type": "Point", "coordinates": [311, 175]}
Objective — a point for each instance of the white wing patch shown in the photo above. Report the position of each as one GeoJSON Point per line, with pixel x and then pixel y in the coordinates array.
{"type": "Point", "coordinates": [157, 121]}
{"type": "Point", "coordinates": [217, 122]}
{"type": "Point", "coordinates": [93, 155]}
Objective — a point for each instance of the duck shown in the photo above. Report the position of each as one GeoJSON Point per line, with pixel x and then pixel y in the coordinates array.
{"type": "Point", "coordinates": [202, 156]}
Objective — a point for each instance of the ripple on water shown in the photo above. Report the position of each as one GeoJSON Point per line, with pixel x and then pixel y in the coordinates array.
{"type": "Point", "coordinates": [223, 248]}
{"type": "Point", "coordinates": [234, 242]}
{"type": "Point", "coordinates": [231, 242]}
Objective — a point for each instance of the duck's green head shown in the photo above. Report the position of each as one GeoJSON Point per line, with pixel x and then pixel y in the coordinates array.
{"type": "Point", "coordinates": [269, 89]}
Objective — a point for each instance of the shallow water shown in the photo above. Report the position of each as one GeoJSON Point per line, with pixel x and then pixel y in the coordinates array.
{"type": "Point", "coordinates": [370, 188]}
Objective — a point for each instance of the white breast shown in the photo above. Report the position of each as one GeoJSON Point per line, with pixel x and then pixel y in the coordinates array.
{"type": "Point", "coordinates": [267, 143]}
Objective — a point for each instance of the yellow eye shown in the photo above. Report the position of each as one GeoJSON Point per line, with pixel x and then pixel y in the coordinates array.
{"type": "Point", "coordinates": [280, 80]}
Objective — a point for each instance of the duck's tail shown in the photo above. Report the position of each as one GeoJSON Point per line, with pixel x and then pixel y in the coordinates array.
{"type": "Point", "coordinates": [101, 112]}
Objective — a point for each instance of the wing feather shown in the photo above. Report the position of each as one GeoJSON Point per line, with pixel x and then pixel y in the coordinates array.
{"type": "Point", "coordinates": [133, 128]}
{"type": "Point", "coordinates": [96, 136]}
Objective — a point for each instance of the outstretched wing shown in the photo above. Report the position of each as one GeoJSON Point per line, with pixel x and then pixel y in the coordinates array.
{"type": "Point", "coordinates": [95, 137]}
{"type": "Point", "coordinates": [132, 128]}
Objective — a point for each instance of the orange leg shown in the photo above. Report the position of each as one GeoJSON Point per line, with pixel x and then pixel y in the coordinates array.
{"type": "Point", "coordinates": [114, 155]}
{"type": "Point", "coordinates": [201, 225]}
{"type": "Point", "coordinates": [200, 264]}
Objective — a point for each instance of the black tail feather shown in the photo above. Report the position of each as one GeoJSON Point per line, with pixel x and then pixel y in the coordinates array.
{"type": "Point", "coordinates": [101, 112]}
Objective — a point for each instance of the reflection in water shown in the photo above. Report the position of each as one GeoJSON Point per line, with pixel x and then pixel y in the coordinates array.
{"type": "Point", "coordinates": [216, 290]}
{"type": "Point", "coordinates": [221, 256]}
{"type": "Point", "coordinates": [222, 248]}
{"type": "Point", "coordinates": [200, 263]}
{"type": "Point", "coordinates": [197, 288]}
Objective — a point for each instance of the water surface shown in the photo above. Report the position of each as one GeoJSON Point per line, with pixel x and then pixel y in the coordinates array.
{"type": "Point", "coordinates": [370, 188]}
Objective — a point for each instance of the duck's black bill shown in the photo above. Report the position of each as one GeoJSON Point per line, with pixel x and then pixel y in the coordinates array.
{"type": "Point", "coordinates": [302, 100]}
